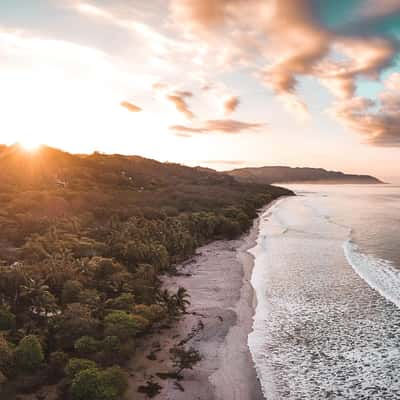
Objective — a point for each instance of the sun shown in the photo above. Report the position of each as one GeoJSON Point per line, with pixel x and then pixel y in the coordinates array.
{"type": "Point", "coordinates": [30, 144]}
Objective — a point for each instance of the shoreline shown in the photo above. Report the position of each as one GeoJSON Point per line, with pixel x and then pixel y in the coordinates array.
{"type": "Point", "coordinates": [219, 320]}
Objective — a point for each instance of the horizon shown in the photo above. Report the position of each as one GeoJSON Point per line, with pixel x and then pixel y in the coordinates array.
{"type": "Point", "coordinates": [220, 84]}
{"type": "Point", "coordinates": [233, 166]}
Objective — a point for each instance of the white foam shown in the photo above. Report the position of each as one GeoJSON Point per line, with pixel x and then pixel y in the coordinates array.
{"type": "Point", "coordinates": [321, 332]}
{"type": "Point", "coordinates": [380, 274]}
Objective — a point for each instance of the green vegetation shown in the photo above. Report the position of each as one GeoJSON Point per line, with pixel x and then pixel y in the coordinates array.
{"type": "Point", "coordinates": [83, 244]}
{"type": "Point", "coordinates": [184, 359]}
{"type": "Point", "coordinates": [94, 384]}
{"type": "Point", "coordinates": [29, 354]}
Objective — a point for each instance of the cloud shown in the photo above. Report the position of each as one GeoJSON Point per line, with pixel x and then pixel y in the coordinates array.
{"type": "Point", "coordinates": [231, 104]}
{"type": "Point", "coordinates": [377, 120]}
{"type": "Point", "coordinates": [201, 14]}
{"type": "Point", "coordinates": [128, 18]}
{"type": "Point", "coordinates": [226, 126]}
{"type": "Point", "coordinates": [292, 41]}
{"type": "Point", "coordinates": [130, 107]}
{"type": "Point", "coordinates": [278, 41]}
{"type": "Point", "coordinates": [176, 97]}
{"type": "Point", "coordinates": [178, 100]}
{"type": "Point", "coordinates": [366, 57]}
{"type": "Point", "coordinates": [393, 81]}
{"type": "Point", "coordinates": [183, 93]}
{"type": "Point", "coordinates": [374, 9]}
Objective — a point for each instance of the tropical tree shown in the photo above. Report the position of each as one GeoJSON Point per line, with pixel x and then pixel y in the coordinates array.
{"type": "Point", "coordinates": [124, 325]}
{"type": "Point", "coordinates": [35, 293]}
{"type": "Point", "coordinates": [71, 291]}
{"type": "Point", "coordinates": [29, 354]}
{"type": "Point", "coordinates": [76, 365]}
{"type": "Point", "coordinates": [95, 384]}
{"type": "Point", "coordinates": [6, 356]}
{"type": "Point", "coordinates": [7, 319]}
{"type": "Point", "coordinates": [182, 299]}
{"type": "Point", "coordinates": [184, 359]}
{"type": "Point", "coordinates": [87, 345]}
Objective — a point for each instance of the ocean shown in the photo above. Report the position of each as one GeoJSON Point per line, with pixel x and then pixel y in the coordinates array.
{"type": "Point", "coordinates": [327, 281]}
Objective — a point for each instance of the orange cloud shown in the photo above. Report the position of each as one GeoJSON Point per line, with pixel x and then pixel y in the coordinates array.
{"type": "Point", "coordinates": [180, 104]}
{"type": "Point", "coordinates": [183, 93]}
{"type": "Point", "coordinates": [227, 126]}
{"type": "Point", "coordinates": [130, 107]}
{"type": "Point", "coordinates": [291, 42]}
{"type": "Point", "coordinates": [378, 121]}
{"type": "Point", "coordinates": [231, 104]}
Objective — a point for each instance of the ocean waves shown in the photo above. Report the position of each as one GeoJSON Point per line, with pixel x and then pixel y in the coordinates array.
{"type": "Point", "coordinates": [380, 274]}
{"type": "Point", "coordinates": [320, 330]}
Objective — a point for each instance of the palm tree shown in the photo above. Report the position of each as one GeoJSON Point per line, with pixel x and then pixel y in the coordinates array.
{"type": "Point", "coordinates": [168, 301]}
{"type": "Point", "coordinates": [182, 299]}
{"type": "Point", "coordinates": [37, 296]}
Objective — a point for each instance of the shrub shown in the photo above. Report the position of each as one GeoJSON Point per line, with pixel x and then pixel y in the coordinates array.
{"type": "Point", "coordinates": [184, 359]}
{"type": "Point", "coordinates": [57, 363]}
{"type": "Point", "coordinates": [29, 353]}
{"type": "Point", "coordinates": [111, 344]}
{"type": "Point", "coordinates": [86, 385]}
{"type": "Point", "coordinates": [87, 345]}
{"type": "Point", "coordinates": [115, 377]}
{"type": "Point", "coordinates": [7, 319]}
{"type": "Point", "coordinates": [152, 313]}
{"type": "Point", "coordinates": [124, 302]}
{"type": "Point", "coordinates": [6, 356]}
{"type": "Point", "coordinates": [75, 322]}
{"type": "Point", "coordinates": [71, 292]}
{"type": "Point", "coordinates": [76, 365]}
{"type": "Point", "coordinates": [123, 325]}
{"type": "Point", "coordinates": [94, 384]}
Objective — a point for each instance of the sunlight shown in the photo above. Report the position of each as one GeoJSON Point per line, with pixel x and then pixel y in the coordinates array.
{"type": "Point", "coordinates": [30, 144]}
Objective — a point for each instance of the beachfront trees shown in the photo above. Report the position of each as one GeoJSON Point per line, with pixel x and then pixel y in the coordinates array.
{"type": "Point", "coordinates": [124, 302]}
{"type": "Point", "coordinates": [57, 363]}
{"type": "Point", "coordinates": [71, 292]}
{"type": "Point", "coordinates": [123, 325]}
{"type": "Point", "coordinates": [29, 354]}
{"type": "Point", "coordinates": [184, 359]}
{"type": "Point", "coordinates": [6, 357]}
{"type": "Point", "coordinates": [7, 319]}
{"type": "Point", "coordinates": [182, 299]}
{"type": "Point", "coordinates": [76, 365]}
{"type": "Point", "coordinates": [80, 262]}
{"type": "Point", "coordinates": [174, 304]}
{"type": "Point", "coordinates": [96, 384]}
{"type": "Point", "coordinates": [87, 345]}
{"type": "Point", "coordinates": [76, 321]}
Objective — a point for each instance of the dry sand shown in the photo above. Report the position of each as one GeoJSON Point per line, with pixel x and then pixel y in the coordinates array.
{"type": "Point", "coordinates": [220, 319]}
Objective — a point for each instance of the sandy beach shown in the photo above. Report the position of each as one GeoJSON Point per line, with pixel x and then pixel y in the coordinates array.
{"type": "Point", "coordinates": [217, 325]}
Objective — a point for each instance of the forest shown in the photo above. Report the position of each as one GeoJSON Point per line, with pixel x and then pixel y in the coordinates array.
{"type": "Point", "coordinates": [85, 241]}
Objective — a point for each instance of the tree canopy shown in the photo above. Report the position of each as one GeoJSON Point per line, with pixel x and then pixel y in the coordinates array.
{"type": "Point", "coordinates": [84, 241]}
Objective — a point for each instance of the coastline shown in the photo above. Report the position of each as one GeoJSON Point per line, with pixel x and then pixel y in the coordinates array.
{"type": "Point", "coordinates": [218, 323]}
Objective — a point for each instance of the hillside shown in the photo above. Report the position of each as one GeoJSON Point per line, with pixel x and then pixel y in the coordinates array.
{"type": "Point", "coordinates": [268, 175]}
{"type": "Point", "coordinates": [84, 240]}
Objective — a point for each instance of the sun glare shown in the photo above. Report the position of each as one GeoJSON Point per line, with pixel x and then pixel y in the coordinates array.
{"type": "Point", "coordinates": [29, 144]}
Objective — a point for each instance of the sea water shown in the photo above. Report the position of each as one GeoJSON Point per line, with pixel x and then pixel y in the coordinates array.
{"type": "Point", "coordinates": [327, 281]}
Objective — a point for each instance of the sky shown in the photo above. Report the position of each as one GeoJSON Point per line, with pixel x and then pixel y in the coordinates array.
{"type": "Point", "coordinates": [219, 83]}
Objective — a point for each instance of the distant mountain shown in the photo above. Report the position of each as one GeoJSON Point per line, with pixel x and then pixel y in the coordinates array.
{"type": "Point", "coordinates": [268, 175]}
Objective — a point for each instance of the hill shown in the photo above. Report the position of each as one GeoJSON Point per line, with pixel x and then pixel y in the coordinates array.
{"type": "Point", "coordinates": [84, 241]}
{"type": "Point", "coordinates": [268, 175]}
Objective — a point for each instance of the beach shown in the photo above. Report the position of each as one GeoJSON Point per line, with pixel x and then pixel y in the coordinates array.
{"type": "Point", "coordinates": [218, 322]}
